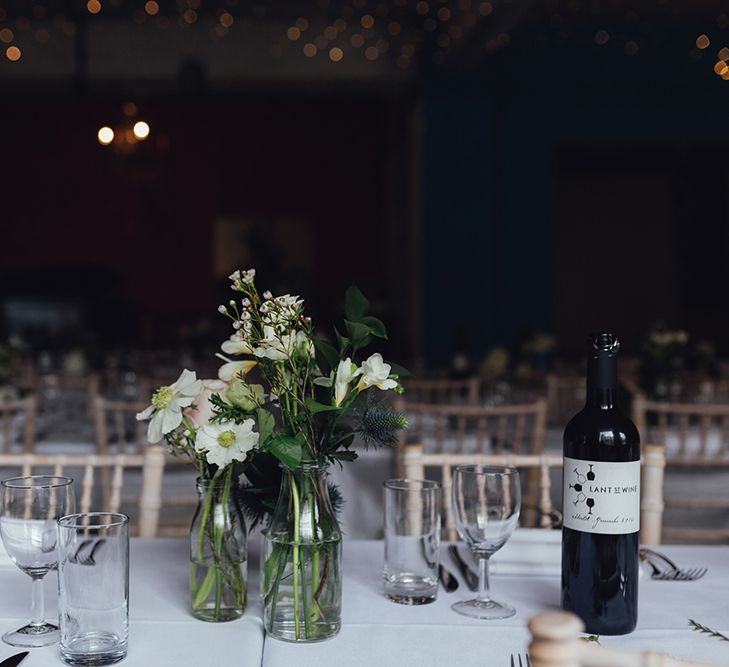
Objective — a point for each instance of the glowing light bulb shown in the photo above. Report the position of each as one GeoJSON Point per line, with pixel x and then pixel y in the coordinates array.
{"type": "Point", "coordinates": [141, 130]}
{"type": "Point", "coordinates": [105, 135]}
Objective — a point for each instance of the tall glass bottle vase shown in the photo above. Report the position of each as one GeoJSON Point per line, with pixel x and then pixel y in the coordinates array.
{"type": "Point", "coordinates": [218, 551]}
{"type": "Point", "coordinates": [302, 579]}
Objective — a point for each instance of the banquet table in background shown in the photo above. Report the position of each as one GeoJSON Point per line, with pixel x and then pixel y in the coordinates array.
{"type": "Point", "coordinates": [376, 631]}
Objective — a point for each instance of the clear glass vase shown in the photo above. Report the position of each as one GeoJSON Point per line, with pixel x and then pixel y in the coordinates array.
{"type": "Point", "coordinates": [302, 577]}
{"type": "Point", "coordinates": [218, 552]}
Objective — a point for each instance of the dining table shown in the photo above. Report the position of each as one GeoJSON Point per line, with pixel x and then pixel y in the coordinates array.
{"type": "Point", "coordinates": [375, 631]}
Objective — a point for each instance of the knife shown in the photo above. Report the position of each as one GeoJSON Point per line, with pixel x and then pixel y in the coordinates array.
{"type": "Point", "coordinates": [14, 660]}
{"type": "Point", "coordinates": [447, 580]}
{"type": "Point", "coordinates": [467, 573]}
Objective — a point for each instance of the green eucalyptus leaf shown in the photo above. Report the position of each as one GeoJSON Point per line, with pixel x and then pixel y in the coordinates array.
{"type": "Point", "coordinates": [314, 406]}
{"type": "Point", "coordinates": [266, 424]}
{"type": "Point", "coordinates": [400, 371]}
{"type": "Point", "coordinates": [355, 303]}
{"type": "Point", "coordinates": [343, 341]}
{"type": "Point", "coordinates": [376, 327]}
{"type": "Point", "coordinates": [327, 357]}
{"type": "Point", "coordinates": [287, 449]}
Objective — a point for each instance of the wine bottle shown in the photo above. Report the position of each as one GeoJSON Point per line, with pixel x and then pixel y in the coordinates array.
{"type": "Point", "coordinates": [601, 503]}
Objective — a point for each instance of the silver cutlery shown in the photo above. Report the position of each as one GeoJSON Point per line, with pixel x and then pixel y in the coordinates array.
{"type": "Point", "coordinates": [469, 576]}
{"type": "Point", "coordinates": [85, 553]}
{"type": "Point", "coordinates": [447, 580]}
{"type": "Point", "coordinates": [14, 660]}
{"type": "Point", "coordinates": [518, 661]}
{"type": "Point", "coordinates": [673, 572]}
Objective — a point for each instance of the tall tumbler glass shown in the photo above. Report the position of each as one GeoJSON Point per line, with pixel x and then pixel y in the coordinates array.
{"type": "Point", "coordinates": [93, 586]}
{"type": "Point", "coordinates": [412, 540]}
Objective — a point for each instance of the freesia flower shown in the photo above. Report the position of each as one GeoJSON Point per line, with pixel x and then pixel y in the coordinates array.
{"type": "Point", "coordinates": [376, 373]}
{"type": "Point", "coordinates": [167, 405]}
{"type": "Point", "coordinates": [346, 372]}
{"type": "Point", "coordinates": [235, 369]}
{"type": "Point", "coordinates": [236, 345]}
{"type": "Point", "coordinates": [227, 442]}
{"type": "Point", "coordinates": [203, 409]}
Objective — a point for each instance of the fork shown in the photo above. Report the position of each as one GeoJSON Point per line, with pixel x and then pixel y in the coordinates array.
{"type": "Point", "coordinates": [519, 662]}
{"type": "Point", "coordinates": [84, 555]}
{"type": "Point", "coordinates": [675, 573]}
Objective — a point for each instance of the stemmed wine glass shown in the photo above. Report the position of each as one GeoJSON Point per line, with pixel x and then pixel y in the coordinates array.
{"type": "Point", "coordinates": [29, 508]}
{"type": "Point", "coordinates": [486, 506]}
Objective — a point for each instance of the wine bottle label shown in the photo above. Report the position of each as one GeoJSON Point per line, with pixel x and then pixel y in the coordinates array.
{"type": "Point", "coordinates": [601, 497]}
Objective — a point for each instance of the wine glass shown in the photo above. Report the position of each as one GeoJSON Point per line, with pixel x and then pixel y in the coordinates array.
{"type": "Point", "coordinates": [486, 506]}
{"type": "Point", "coordinates": [29, 508]}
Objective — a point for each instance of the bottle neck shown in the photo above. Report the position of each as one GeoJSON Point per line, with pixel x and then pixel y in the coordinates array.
{"type": "Point", "coordinates": [602, 381]}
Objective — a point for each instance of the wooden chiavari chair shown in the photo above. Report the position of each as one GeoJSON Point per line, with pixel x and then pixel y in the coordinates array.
{"type": "Point", "coordinates": [696, 437]}
{"type": "Point", "coordinates": [516, 429]}
{"type": "Point", "coordinates": [443, 391]}
{"type": "Point", "coordinates": [18, 416]}
{"type": "Point", "coordinates": [418, 463]}
{"type": "Point", "coordinates": [118, 431]}
{"type": "Point", "coordinates": [565, 397]}
{"type": "Point", "coordinates": [150, 464]}
{"type": "Point", "coordinates": [556, 642]}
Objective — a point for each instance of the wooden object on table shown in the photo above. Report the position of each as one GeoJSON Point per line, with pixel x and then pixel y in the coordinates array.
{"type": "Point", "coordinates": [119, 431]}
{"type": "Point", "coordinates": [26, 410]}
{"type": "Point", "coordinates": [556, 642]}
{"type": "Point", "coordinates": [651, 506]}
{"type": "Point", "coordinates": [701, 432]}
{"type": "Point", "coordinates": [443, 391]}
{"type": "Point", "coordinates": [151, 464]}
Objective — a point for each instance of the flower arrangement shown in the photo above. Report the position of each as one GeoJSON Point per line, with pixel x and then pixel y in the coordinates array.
{"type": "Point", "coordinates": [309, 401]}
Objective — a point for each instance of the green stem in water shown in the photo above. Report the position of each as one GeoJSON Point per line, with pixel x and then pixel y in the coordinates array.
{"type": "Point", "coordinates": [297, 536]}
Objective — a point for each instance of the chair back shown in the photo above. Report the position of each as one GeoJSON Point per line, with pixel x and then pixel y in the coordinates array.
{"type": "Point", "coordinates": [517, 428]}
{"type": "Point", "coordinates": [695, 436]}
{"type": "Point", "coordinates": [537, 506]}
{"type": "Point", "coordinates": [565, 397]}
{"type": "Point", "coordinates": [116, 426]}
{"type": "Point", "coordinates": [556, 642]}
{"type": "Point", "coordinates": [151, 465]}
{"type": "Point", "coordinates": [443, 390]}
{"type": "Point", "coordinates": [18, 423]}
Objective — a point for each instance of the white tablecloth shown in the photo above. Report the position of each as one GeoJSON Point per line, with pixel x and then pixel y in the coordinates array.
{"type": "Point", "coordinates": [162, 632]}
{"type": "Point", "coordinates": [376, 631]}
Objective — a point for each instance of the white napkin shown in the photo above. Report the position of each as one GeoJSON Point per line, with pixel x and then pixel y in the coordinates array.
{"type": "Point", "coordinates": [4, 558]}
{"type": "Point", "coordinates": [530, 551]}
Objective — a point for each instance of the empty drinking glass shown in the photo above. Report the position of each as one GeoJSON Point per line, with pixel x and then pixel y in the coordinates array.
{"type": "Point", "coordinates": [93, 585]}
{"type": "Point", "coordinates": [486, 506]}
{"type": "Point", "coordinates": [412, 540]}
{"type": "Point", "coordinates": [29, 508]}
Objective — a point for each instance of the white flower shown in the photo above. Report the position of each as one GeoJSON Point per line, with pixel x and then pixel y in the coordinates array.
{"type": "Point", "coordinates": [226, 442]}
{"type": "Point", "coordinates": [376, 373]}
{"type": "Point", "coordinates": [235, 370]}
{"type": "Point", "coordinates": [167, 405]}
{"type": "Point", "coordinates": [280, 347]}
{"type": "Point", "coordinates": [236, 345]}
{"type": "Point", "coordinates": [346, 372]}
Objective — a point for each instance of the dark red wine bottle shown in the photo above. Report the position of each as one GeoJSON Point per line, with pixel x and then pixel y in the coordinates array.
{"type": "Point", "coordinates": [601, 503]}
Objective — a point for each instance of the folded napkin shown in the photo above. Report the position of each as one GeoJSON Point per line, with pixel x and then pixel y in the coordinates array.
{"type": "Point", "coordinates": [530, 551]}
{"type": "Point", "coordinates": [4, 558]}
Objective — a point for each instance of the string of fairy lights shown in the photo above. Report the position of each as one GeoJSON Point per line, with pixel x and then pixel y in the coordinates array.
{"type": "Point", "coordinates": [403, 31]}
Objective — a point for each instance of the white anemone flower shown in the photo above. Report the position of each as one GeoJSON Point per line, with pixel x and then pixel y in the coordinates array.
{"type": "Point", "coordinates": [376, 373]}
{"type": "Point", "coordinates": [167, 405]}
{"type": "Point", "coordinates": [227, 442]}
